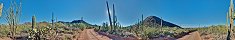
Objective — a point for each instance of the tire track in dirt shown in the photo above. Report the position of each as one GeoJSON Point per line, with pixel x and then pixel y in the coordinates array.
{"type": "Point", "coordinates": [90, 34]}
{"type": "Point", "coordinates": [192, 36]}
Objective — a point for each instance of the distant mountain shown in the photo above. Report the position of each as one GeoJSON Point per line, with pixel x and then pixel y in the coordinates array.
{"type": "Point", "coordinates": [153, 21]}
{"type": "Point", "coordinates": [78, 21]}
{"type": "Point", "coordinates": [74, 21]}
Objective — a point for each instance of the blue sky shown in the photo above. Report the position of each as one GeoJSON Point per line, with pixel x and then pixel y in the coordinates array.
{"type": "Point", "coordinates": [186, 13]}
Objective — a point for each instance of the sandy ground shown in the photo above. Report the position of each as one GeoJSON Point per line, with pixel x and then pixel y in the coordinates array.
{"type": "Point", "coordinates": [90, 34]}
{"type": "Point", "coordinates": [192, 36]}
{"type": "Point", "coordinates": [5, 38]}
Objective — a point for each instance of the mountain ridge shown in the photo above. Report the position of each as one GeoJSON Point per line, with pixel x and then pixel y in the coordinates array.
{"type": "Point", "coordinates": [153, 21]}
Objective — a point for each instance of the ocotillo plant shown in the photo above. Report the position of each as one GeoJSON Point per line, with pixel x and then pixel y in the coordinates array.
{"type": "Point", "coordinates": [13, 14]}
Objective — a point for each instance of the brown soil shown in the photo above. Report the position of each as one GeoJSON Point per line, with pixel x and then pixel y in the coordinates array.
{"type": "Point", "coordinates": [192, 36]}
{"type": "Point", "coordinates": [90, 34]}
{"type": "Point", "coordinates": [5, 38]}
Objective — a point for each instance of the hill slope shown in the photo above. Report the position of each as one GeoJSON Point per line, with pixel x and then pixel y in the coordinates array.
{"type": "Point", "coordinates": [74, 21]}
{"type": "Point", "coordinates": [153, 21]}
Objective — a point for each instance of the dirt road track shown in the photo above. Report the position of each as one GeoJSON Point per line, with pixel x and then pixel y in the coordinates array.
{"type": "Point", "coordinates": [90, 34]}
{"type": "Point", "coordinates": [192, 36]}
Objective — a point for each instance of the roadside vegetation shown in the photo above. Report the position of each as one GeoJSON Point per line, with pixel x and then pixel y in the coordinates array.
{"type": "Point", "coordinates": [46, 30]}
{"type": "Point", "coordinates": [217, 32]}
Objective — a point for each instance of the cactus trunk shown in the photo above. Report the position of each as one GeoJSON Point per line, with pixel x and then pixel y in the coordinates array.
{"type": "Point", "coordinates": [33, 22]}
{"type": "Point", "coordinates": [110, 21]}
{"type": "Point", "coordinates": [1, 7]}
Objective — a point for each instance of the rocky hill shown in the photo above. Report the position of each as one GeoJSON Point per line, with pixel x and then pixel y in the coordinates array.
{"type": "Point", "coordinates": [74, 21]}
{"type": "Point", "coordinates": [153, 21]}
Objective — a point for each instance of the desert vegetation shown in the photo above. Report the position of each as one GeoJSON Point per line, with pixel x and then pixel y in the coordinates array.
{"type": "Point", "coordinates": [149, 28]}
{"type": "Point", "coordinates": [216, 32]}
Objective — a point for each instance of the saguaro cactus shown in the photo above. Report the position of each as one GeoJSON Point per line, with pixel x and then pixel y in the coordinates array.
{"type": "Point", "coordinates": [142, 22]}
{"type": "Point", "coordinates": [161, 25]}
{"type": "Point", "coordinates": [1, 7]}
{"type": "Point", "coordinates": [228, 35]}
{"type": "Point", "coordinates": [33, 22]}
{"type": "Point", "coordinates": [114, 19]}
{"type": "Point", "coordinates": [33, 31]}
{"type": "Point", "coordinates": [110, 20]}
{"type": "Point", "coordinates": [231, 18]}
{"type": "Point", "coordinates": [52, 20]}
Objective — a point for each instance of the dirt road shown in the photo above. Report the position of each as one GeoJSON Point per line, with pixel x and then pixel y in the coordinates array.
{"type": "Point", "coordinates": [192, 36]}
{"type": "Point", "coordinates": [90, 34]}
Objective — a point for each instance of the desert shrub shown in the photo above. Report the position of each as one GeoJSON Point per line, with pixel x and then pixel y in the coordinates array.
{"type": "Point", "coordinates": [214, 29]}
{"type": "Point", "coordinates": [4, 31]}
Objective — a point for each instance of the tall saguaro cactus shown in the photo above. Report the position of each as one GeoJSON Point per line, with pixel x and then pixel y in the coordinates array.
{"type": "Point", "coordinates": [161, 25]}
{"type": "Point", "coordinates": [52, 20]}
{"type": "Point", "coordinates": [142, 22]}
{"type": "Point", "coordinates": [231, 19]}
{"type": "Point", "coordinates": [114, 19]}
{"type": "Point", "coordinates": [110, 20]}
{"type": "Point", "coordinates": [33, 31]}
{"type": "Point", "coordinates": [228, 35]}
{"type": "Point", "coordinates": [33, 22]}
{"type": "Point", "coordinates": [1, 7]}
